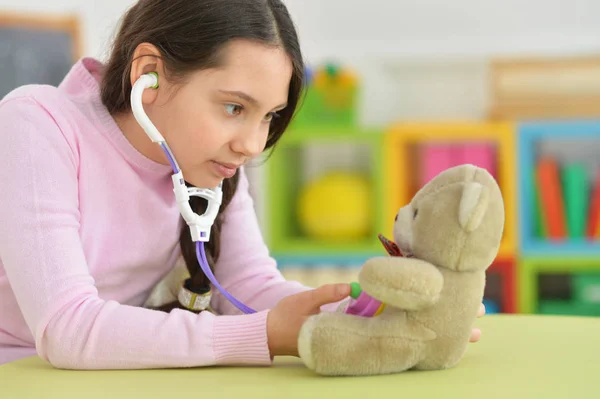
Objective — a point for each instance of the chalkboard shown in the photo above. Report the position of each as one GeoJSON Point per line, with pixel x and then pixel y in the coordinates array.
{"type": "Point", "coordinates": [36, 50]}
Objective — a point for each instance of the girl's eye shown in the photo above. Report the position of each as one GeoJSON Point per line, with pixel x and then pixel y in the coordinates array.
{"type": "Point", "coordinates": [270, 116]}
{"type": "Point", "coordinates": [233, 109]}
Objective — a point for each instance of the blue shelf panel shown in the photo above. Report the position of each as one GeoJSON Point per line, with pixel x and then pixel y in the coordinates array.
{"type": "Point", "coordinates": [529, 134]}
{"type": "Point", "coordinates": [537, 248]}
{"type": "Point", "coordinates": [320, 261]}
{"type": "Point", "coordinates": [560, 129]}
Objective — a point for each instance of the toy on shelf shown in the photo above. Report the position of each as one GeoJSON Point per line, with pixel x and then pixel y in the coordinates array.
{"type": "Point", "coordinates": [323, 210]}
{"type": "Point", "coordinates": [331, 95]}
{"type": "Point", "coordinates": [336, 207]}
{"type": "Point", "coordinates": [450, 233]}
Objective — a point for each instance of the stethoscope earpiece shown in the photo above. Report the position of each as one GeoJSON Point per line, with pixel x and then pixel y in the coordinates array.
{"type": "Point", "coordinates": [154, 76]}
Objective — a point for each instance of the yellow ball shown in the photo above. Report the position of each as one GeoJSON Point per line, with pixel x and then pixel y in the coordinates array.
{"type": "Point", "coordinates": [336, 207]}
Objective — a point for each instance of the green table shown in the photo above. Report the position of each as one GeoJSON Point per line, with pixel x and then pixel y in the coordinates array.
{"type": "Point", "coordinates": [519, 357]}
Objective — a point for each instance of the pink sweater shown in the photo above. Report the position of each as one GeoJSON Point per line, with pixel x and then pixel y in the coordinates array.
{"type": "Point", "coordinates": [89, 226]}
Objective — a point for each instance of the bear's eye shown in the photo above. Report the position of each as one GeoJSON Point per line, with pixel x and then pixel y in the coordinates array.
{"type": "Point", "coordinates": [415, 213]}
{"type": "Point", "coordinates": [396, 218]}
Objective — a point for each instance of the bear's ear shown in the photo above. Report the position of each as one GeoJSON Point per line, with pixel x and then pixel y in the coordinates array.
{"type": "Point", "coordinates": [473, 206]}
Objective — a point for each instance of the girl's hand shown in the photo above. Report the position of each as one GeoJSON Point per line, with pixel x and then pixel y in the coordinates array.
{"type": "Point", "coordinates": [476, 333]}
{"type": "Point", "coordinates": [287, 317]}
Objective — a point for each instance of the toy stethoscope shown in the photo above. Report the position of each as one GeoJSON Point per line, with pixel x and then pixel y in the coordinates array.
{"type": "Point", "coordinates": [361, 304]}
{"type": "Point", "coordinates": [199, 225]}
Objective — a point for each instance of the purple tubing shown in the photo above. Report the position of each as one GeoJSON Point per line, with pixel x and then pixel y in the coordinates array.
{"type": "Point", "coordinates": [206, 269]}
{"type": "Point", "coordinates": [170, 157]}
{"type": "Point", "coordinates": [200, 251]}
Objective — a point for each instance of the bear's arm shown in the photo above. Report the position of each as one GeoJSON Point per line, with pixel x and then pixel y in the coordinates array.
{"type": "Point", "coordinates": [405, 283]}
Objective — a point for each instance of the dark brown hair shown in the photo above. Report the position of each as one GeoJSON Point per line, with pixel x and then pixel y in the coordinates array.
{"type": "Point", "coordinates": [190, 35]}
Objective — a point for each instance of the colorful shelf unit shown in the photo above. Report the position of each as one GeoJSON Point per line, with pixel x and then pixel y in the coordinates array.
{"type": "Point", "coordinates": [552, 203]}
{"type": "Point", "coordinates": [501, 286]}
{"type": "Point", "coordinates": [286, 178]}
{"type": "Point", "coordinates": [416, 152]}
{"type": "Point", "coordinates": [578, 279]}
{"type": "Point", "coordinates": [330, 98]}
{"type": "Point", "coordinates": [559, 198]}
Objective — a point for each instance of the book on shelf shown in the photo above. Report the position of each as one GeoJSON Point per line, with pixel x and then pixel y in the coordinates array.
{"type": "Point", "coordinates": [434, 158]}
{"type": "Point", "coordinates": [593, 226]}
{"type": "Point", "coordinates": [552, 201]}
{"type": "Point", "coordinates": [566, 201]}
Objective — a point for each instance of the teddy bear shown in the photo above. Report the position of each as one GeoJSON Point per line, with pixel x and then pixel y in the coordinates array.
{"type": "Point", "coordinates": [448, 235]}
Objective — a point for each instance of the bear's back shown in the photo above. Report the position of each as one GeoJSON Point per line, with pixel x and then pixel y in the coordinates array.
{"type": "Point", "coordinates": [451, 318]}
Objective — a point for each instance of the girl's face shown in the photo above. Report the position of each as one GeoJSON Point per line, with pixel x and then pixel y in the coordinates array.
{"type": "Point", "coordinates": [218, 119]}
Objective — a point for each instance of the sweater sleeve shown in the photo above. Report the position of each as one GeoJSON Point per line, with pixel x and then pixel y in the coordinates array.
{"type": "Point", "coordinates": [46, 267]}
{"type": "Point", "coordinates": [245, 268]}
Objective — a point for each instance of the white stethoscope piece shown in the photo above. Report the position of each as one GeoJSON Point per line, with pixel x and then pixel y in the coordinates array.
{"type": "Point", "coordinates": [200, 225]}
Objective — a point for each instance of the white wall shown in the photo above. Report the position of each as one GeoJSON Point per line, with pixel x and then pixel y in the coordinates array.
{"type": "Point", "coordinates": [418, 58]}
{"type": "Point", "coordinates": [442, 27]}
{"type": "Point", "coordinates": [399, 28]}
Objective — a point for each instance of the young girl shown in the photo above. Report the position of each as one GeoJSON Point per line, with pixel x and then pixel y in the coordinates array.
{"type": "Point", "coordinates": [90, 224]}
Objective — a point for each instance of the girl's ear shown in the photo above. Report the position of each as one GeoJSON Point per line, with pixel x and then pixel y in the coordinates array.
{"type": "Point", "coordinates": [473, 206]}
{"type": "Point", "coordinates": [146, 59]}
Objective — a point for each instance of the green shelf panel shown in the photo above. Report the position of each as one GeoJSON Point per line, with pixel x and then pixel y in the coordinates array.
{"type": "Point", "coordinates": [529, 268]}
{"type": "Point", "coordinates": [568, 308]}
{"type": "Point", "coordinates": [284, 168]}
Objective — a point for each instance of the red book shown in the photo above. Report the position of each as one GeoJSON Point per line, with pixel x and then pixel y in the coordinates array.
{"type": "Point", "coordinates": [593, 227]}
{"type": "Point", "coordinates": [551, 196]}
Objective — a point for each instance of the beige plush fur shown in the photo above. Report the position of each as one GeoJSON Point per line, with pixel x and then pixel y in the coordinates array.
{"type": "Point", "coordinates": [451, 230]}
{"type": "Point", "coordinates": [167, 289]}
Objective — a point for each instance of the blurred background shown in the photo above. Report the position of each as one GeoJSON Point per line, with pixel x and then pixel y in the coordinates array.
{"type": "Point", "coordinates": [400, 90]}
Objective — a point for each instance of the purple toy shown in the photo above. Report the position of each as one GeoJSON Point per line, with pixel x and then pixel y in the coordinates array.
{"type": "Point", "coordinates": [362, 304]}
